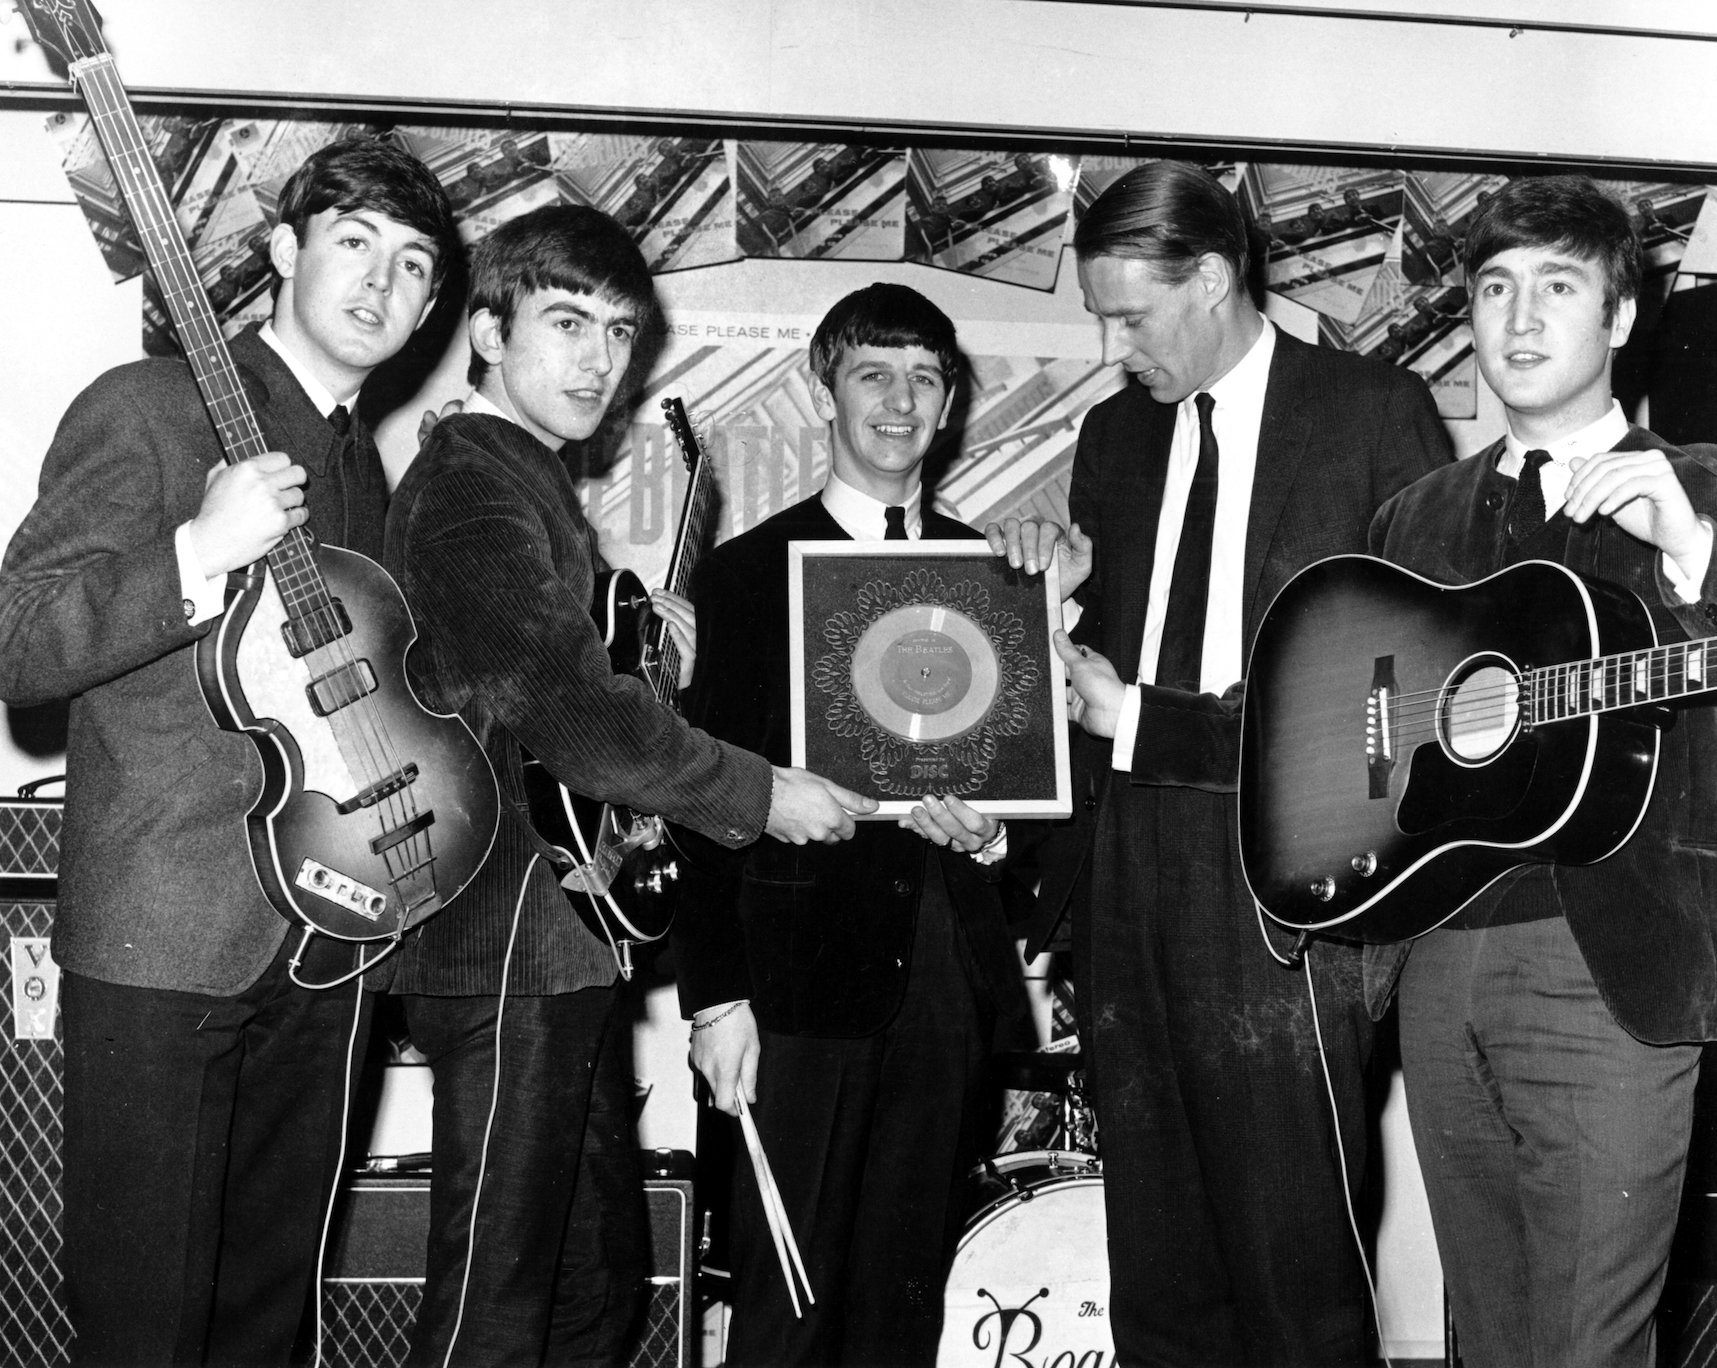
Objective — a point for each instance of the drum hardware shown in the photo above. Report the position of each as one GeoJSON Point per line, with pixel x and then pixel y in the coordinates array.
{"type": "Point", "coordinates": [1059, 1072]}
{"type": "Point", "coordinates": [1078, 1121]}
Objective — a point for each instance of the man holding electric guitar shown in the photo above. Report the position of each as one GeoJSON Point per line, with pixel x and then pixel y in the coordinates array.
{"type": "Point", "coordinates": [204, 1086]}
{"type": "Point", "coordinates": [1550, 1029]}
{"type": "Point", "coordinates": [537, 1240]}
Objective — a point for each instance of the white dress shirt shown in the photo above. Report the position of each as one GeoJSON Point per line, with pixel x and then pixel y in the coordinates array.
{"type": "Point", "coordinates": [862, 518]}
{"type": "Point", "coordinates": [1235, 418]}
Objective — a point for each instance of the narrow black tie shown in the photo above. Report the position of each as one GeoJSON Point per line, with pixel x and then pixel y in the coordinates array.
{"type": "Point", "coordinates": [340, 420]}
{"type": "Point", "coordinates": [1180, 659]}
{"type": "Point", "coordinates": [1529, 498]}
{"type": "Point", "coordinates": [894, 518]}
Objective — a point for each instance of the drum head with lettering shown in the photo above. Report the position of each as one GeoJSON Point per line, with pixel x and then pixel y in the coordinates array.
{"type": "Point", "coordinates": [925, 672]}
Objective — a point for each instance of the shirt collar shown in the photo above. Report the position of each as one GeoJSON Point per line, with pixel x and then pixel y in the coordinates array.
{"type": "Point", "coordinates": [477, 402]}
{"type": "Point", "coordinates": [861, 517]}
{"type": "Point", "coordinates": [319, 393]}
{"type": "Point", "coordinates": [1588, 441]}
{"type": "Point", "coordinates": [1245, 383]}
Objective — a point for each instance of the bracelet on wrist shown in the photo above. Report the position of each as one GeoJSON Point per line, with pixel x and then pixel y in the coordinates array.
{"type": "Point", "coordinates": [725, 1012]}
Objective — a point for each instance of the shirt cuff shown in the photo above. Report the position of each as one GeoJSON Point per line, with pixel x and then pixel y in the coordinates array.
{"type": "Point", "coordinates": [1687, 587]}
{"type": "Point", "coordinates": [204, 598]}
{"type": "Point", "coordinates": [994, 850]}
{"type": "Point", "coordinates": [1126, 730]}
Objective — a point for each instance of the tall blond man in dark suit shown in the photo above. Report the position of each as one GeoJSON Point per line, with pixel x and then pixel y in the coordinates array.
{"type": "Point", "coordinates": [1234, 457]}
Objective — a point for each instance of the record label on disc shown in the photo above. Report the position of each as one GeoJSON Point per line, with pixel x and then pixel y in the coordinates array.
{"type": "Point", "coordinates": [925, 672]}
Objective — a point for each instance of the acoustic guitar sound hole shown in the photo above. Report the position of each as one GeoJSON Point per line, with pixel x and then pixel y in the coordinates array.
{"type": "Point", "coordinates": [1480, 713]}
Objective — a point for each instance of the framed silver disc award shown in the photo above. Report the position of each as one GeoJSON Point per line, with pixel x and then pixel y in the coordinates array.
{"type": "Point", "coordinates": [926, 667]}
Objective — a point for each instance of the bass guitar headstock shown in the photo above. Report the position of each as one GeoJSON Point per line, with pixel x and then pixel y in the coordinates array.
{"type": "Point", "coordinates": [70, 29]}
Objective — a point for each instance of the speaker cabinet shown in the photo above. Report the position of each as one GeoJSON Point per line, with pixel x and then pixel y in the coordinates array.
{"type": "Point", "coordinates": [33, 1325]}
{"type": "Point", "coordinates": [375, 1265]}
{"type": "Point", "coordinates": [374, 1278]}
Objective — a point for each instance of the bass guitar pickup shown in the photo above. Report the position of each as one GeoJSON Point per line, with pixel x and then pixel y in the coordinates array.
{"type": "Point", "coordinates": [305, 631]}
{"type": "Point", "coordinates": [342, 687]}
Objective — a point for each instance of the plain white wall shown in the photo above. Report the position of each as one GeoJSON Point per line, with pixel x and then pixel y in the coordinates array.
{"type": "Point", "coordinates": [1244, 74]}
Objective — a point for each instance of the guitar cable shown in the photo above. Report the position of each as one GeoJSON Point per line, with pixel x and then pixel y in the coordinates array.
{"type": "Point", "coordinates": [364, 965]}
{"type": "Point", "coordinates": [1300, 956]}
{"type": "Point", "coordinates": [494, 1106]}
{"type": "Point", "coordinates": [345, 1125]}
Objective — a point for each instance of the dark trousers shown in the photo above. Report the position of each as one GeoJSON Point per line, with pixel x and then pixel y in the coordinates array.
{"type": "Point", "coordinates": [1552, 1143]}
{"type": "Point", "coordinates": [1229, 1241]}
{"type": "Point", "coordinates": [201, 1143]}
{"type": "Point", "coordinates": [555, 1273]}
{"type": "Point", "coordinates": [868, 1139]}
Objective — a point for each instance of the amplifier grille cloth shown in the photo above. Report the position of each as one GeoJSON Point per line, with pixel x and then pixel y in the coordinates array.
{"type": "Point", "coordinates": [33, 1325]}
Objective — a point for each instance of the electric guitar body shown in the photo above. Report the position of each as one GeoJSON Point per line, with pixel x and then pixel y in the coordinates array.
{"type": "Point", "coordinates": [624, 870]}
{"type": "Point", "coordinates": [626, 865]}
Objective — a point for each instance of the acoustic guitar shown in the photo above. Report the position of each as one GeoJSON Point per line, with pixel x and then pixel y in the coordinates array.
{"type": "Point", "coordinates": [374, 812]}
{"type": "Point", "coordinates": [624, 867]}
{"type": "Point", "coordinates": [1404, 743]}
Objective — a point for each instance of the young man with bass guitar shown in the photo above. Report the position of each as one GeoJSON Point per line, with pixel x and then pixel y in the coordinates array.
{"type": "Point", "coordinates": [204, 1086]}
{"type": "Point", "coordinates": [1550, 1029]}
{"type": "Point", "coordinates": [536, 1243]}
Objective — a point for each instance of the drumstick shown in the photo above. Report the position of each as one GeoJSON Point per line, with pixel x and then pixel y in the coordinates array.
{"type": "Point", "coordinates": [771, 1199]}
{"type": "Point", "coordinates": [774, 1209]}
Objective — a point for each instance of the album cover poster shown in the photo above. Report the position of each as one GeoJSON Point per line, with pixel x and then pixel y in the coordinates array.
{"type": "Point", "coordinates": [1008, 450]}
{"type": "Point", "coordinates": [674, 195]}
{"type": "Point", "coordinates": [490, 174]}
{"type": "Point", "coordinates": [1097, 172]}
{"type": "Point", "coordinates": [1666, 214]}
{"type": "Point", "coordinates": [927, 668]}
{"type": "Point", "coordinates": [1000, 215]}
{"type": "Point", "coordinates": [223, 177]}
{"type": "Point", "coordinates": [1699, 258]}
{"type": "Point", "coordinates": [1329, 229]}
{"type": "Point", "coordinates": [820, 201]}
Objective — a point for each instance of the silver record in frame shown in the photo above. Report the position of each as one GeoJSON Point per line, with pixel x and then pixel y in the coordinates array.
{"type": "Point", "coordinates": [926, 668]}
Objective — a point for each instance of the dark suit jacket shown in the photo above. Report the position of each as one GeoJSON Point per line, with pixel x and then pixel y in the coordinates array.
{"type": "Point", "coordinates": [818, 937]}
{"type": "Point", "coordinates": [1644, 918]}
{"type": "Point", "coordinates": [156, 886]}
{"type": "Point", "coordinates": [1340, 434]}
{"type": "Point", "coordinates": [489, 543]}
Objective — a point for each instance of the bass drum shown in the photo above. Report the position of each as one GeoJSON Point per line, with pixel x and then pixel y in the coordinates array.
{"type": "Point", "coordinates": [1030, 1281]}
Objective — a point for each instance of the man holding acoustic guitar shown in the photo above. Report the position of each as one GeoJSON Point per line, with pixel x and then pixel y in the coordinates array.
{"type": "Point", "coordinates": [537, 1239]}
{"type": "Point", "coordinates": [205, 1086]}
{"type": "Point", "coordinates": [1550, 1029]}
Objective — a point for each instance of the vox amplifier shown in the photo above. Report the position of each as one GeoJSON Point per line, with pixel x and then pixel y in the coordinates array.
{"type": "Point", "coordinates": [374, 1277]}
